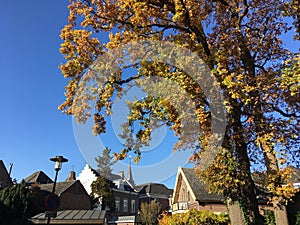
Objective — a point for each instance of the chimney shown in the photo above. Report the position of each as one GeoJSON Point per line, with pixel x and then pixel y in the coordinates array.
{"type": "Point", "coordinates": [71, 176]}
{"type": "Point", "coordinates": [121, 173]}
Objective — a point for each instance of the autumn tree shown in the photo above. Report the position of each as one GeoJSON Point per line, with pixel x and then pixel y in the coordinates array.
{"type": "Point", "coordinates": [241, 43]}
{"type": "Point", "coordinates": [149, 212]}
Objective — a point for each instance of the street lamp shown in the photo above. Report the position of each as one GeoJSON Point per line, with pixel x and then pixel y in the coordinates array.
{"type": "Point", "coordinates": [52, 198]}
{"type": "Point", "coordinates": [58, 163]}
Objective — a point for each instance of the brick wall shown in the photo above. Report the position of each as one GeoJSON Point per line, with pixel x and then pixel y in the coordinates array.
{"type": "Point", "coordinates": [75, 198]}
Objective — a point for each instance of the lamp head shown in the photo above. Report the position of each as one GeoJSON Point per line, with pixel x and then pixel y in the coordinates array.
{"type": "Point", "coordinates": [58, 161]}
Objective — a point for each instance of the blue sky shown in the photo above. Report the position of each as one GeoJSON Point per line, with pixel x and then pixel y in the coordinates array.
{"type": "Point", "coordinates": [32, 130]}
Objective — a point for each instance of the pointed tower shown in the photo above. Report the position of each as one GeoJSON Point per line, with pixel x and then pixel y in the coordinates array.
{"type": "Point", "coordinates": [129, 173]}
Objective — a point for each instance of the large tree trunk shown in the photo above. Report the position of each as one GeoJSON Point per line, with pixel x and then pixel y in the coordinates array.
{"type": "Point", "coordinates": [247, 197]}
{"type": "Point", "coordinates": [269, 157]}
{"type": "Point", "coordinates": [280, 212]}
{"type": "Point", "coordinates": [235, 212]}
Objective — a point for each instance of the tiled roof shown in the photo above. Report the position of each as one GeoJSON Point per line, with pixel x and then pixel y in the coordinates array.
{"type": "Point", "coordinates": [5, 179]}
{"type": "Point", "coordinates": [296, 175]}
{"type": "Point", "coordinates": [154, 189]}
{"type": "Point", "coordinates": [59, 188]}
{"type": "Point", "coordinates": [260, 178]}
{"type": "Point", "coordinates": [39, 177]}
{"type": "Point", "coordinates": [73, 217]}
{"type": "Point", "coordinates": [199, 188]}
{"type": "Point", "coordinates": [110, 177]}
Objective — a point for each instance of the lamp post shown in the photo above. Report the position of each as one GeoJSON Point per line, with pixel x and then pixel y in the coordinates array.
{"type": "Point", "coordinates": [58, 164]}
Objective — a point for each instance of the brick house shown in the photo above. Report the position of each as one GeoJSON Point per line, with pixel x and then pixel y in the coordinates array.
{"type": "Point", "coordinates": [155, 191]}
{"type": "Point", "coordinates": [5, 180]}
{"type": "Point", "coordinates": [126, 197]}
{"type": "Point", "coordinates": [190, 192]}
{"type": "Point", "coordinates": [72, 195]}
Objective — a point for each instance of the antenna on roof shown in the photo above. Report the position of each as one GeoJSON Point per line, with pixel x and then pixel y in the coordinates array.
{"type": "Point", "coordinates": [10, 168]}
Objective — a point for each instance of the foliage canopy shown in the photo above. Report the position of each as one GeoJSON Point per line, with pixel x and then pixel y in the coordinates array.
{"type": "Point", "coordinates": [239, 40]}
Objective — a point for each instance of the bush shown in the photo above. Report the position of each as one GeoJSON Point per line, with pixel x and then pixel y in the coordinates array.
{"type": "Point", "coordinates": [15, 205]}
{"type": "Point", "coordinates": [297, 218]}
{"type": "Point", "coordinates": [195, 217]}
{"type": "Point", "coordinates": [269, 218]}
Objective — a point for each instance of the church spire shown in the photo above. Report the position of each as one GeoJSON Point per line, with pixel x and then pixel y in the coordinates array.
{"type": "Point", "coordinates": [129, 173]}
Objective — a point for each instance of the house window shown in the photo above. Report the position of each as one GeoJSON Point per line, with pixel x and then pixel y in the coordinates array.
{"type": "Point", "coordinates": [125, 205]}
{"type": "Point", "coordinates": [117, 202]}
{"type": "Point", "coordinates": [133, 206]}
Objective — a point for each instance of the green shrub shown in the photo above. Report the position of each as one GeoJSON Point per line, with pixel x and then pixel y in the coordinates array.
{"type": "Point", "coordinates": [195, 217]}
{"type": "Point", "coordinates": [297, 218]}
{"type": "Point", "coordinates": [269, 218]}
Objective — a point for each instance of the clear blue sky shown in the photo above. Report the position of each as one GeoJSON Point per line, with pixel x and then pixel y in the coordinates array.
{"type": "Point", "coordinates": [32, 130]}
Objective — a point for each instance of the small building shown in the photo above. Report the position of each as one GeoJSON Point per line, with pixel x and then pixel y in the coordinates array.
{"type": "Point", "coordinates": [126, 197]}
{"type": "Point", "coordinates": [157, 192]}
{"type": "Point", "coordinates": [72, 195]}
{"type": "Point", "coordinates": [5, 180]}
{"type": "Point", "coordinates": [190, 192]}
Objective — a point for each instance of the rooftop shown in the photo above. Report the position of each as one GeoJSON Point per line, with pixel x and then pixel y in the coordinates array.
{"type": "Point", "coordinates": [72, 217]}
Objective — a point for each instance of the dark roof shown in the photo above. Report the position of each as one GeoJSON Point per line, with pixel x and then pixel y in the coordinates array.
{"type": "Point", "coordinates": [154, 189]}
{"type": "Point", "coordinates": [261, 179]}
{"type": "Point", "coordinates": [72, 217]}
{"type": "Point", "coordinates": [5, 179]}
{"type": "Point", "coordinates": [59, 188]}
{"type": "Point", "coordinates": [110, 177]}
{"type": "Point", "coordinates": [296, 175]}
{"type": "Point", "coordinates": [199, 188]}
{"type": "Point", "coordinates": [38, 177]}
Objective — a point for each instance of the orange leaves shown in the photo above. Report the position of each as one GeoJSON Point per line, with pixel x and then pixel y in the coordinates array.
{"type": "Point", "coordinates": [79, 49]}
{"type": "Point", "coordinates": [239, 41]}
{"type": "Point", "coordinates": [221, 174]}
{"type": "Point", "coordinates": [280, 186]}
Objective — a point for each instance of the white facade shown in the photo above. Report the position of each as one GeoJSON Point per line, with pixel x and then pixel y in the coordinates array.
{"type": "Point", "coordinates": [87, 176]}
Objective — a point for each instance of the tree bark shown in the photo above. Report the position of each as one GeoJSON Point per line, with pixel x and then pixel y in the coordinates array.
{"type": "Point", "coordinates": [235, 212]}
{"type": "Point", "coordinates": [247, 197]}
{"type": "Point", "coordinates": [280, 213]}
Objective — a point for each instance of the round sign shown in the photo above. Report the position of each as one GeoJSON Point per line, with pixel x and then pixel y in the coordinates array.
{"type": "Point", "coordinates": [52, 202]}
